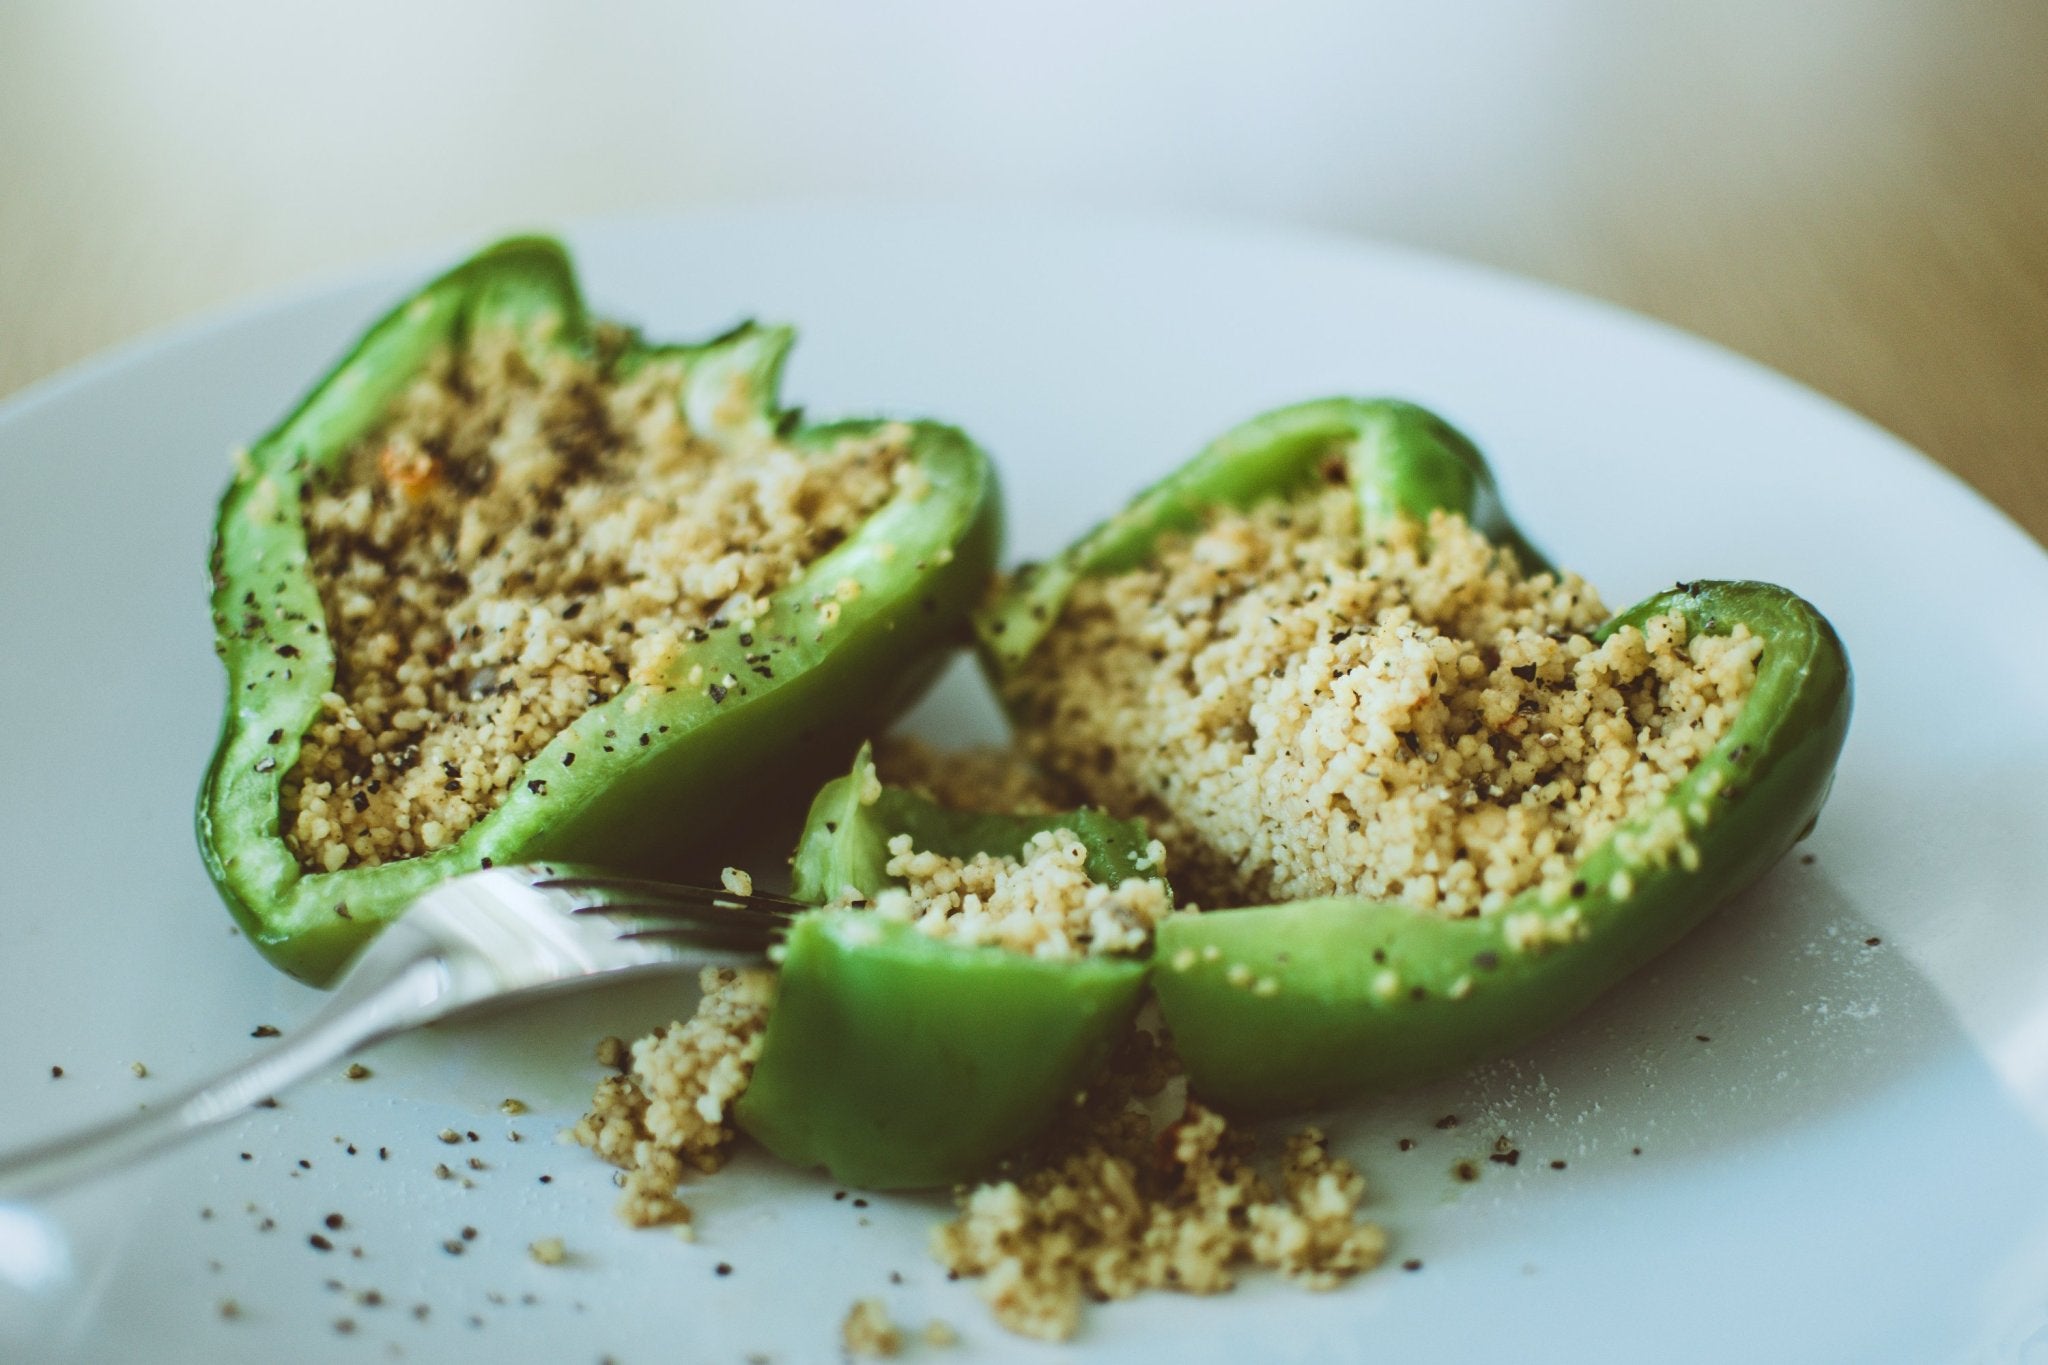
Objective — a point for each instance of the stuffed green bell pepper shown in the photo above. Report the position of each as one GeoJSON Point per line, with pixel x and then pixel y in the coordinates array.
{"type": "Point", "coordinates": [511, 584]}
{"type": "Point", "coordinates": [1433, 799]}
{"type": "Point", "coordinates": [967, 985]}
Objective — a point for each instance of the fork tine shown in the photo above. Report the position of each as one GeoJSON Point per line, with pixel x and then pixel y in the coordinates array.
{"type": "Point", "coordinates": [613, 894]}
{"type": "Point", "coordinates": [690, 923]}
{"type": "Point", "coordinates": [751, 938]}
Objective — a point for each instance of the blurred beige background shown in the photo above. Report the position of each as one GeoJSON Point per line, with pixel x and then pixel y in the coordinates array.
{"type": "Point", "coordinates": [1852, 191]}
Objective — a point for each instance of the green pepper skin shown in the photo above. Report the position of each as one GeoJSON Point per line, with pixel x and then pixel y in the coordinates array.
{"type": "Point", "coordinates": [1282, 1007]}
{"type": "Point", "coordinates": [684, 760]}
{"type": "Point", "coordinates": [895, 1060]}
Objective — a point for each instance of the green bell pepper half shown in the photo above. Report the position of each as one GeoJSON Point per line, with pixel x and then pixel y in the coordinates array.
{"type": "Point", "coordinates": [896, 1060]}
{"type": "Point", "coordinates": [1339, 996]}
{"type": "Point", "coordinates": [683, 760]}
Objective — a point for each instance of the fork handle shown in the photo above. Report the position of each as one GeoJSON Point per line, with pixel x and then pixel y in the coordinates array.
{"type": "Point", "coordinates": [351, 1018]}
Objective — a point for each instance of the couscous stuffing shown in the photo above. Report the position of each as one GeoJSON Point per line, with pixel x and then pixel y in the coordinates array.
{"type": "Point", "coordinates": [521, 540]}
{"type": "Point", "coordinates": [1041, 902]}
{"type": "Point", "coordinates": [1297, 714]}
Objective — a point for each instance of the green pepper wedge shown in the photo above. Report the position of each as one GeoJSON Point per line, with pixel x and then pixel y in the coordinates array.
{"type": "Point", "coordinates": [896, 1060]}
{"type": "Point", "coordinates": [693, 755]}
{"type": "Point", "coordinates": [1286, 1006]}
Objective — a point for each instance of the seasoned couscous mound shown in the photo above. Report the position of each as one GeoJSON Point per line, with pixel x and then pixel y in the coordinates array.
{"type": "Point", "coordinates": [1111, 1204]}
{"type": "Point", "coordinates": [1042, 903]}
{"type": "Point", "coordinates": [518, 542]}
{"type": "Point", "coordinates": [666, 1112]}
{"type": "Point", "coordinates": [1298, 715]}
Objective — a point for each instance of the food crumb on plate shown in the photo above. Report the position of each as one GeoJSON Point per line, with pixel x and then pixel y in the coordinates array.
{"type": "Point", "coordinates": [1109, 1205]}
{"type": "Point", "coordinates": [868, 1330]}
{"type": "Point", "coordinates": [668, 1110]}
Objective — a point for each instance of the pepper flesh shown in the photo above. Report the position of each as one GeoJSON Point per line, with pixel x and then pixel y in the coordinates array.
{"type": "Point", "coordinates": [710, 754]}
{"type": "Point", "coordinates": [897, 1060]}
{"type": "Point", "coordinates": [1282, 1007]}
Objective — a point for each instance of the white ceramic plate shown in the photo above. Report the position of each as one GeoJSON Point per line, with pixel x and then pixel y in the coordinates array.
{"type": "Point", "coordinates": [1813, 1132]}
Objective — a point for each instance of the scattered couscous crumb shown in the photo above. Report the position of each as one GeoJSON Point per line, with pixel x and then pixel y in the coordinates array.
{"type": "Point", "coordinates": [939, 1334]}
{"type": "Point", "coordinates": [1042, 902]}
{"type": "Point", "coordinates": [548, 1251]}
{"type": "Point", "coordinates": [357, 1072]}
{"type": "Point", "coordinates": [139, 1069]}
{"type": "Point", "coordinates": [511, 1107]}
{"type": "Point", "coordinates": [526, 536]}
{"type": "Point", "coordinates": [739, 882]}
{"type": "Point", "coordinates": [1300, 715]}
{"type": "Point", "coordinates": [1110, 1203]}
{"type": "Point", "coordinates": [668, 1111]}
{"type": "Point", "coordinates": [868, 1330]}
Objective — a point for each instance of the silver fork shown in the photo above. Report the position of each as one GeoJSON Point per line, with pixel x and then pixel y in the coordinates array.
{"type": "Point", "coordinates": [484, 938]}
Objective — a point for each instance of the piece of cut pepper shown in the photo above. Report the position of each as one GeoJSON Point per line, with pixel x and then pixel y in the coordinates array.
{"type": "Point", "coordinates": [897, 1060]}
{"type": "Point", "coordinates": [695, 757]}
{"type": "Point", "coordinates": [1286, 1006]}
